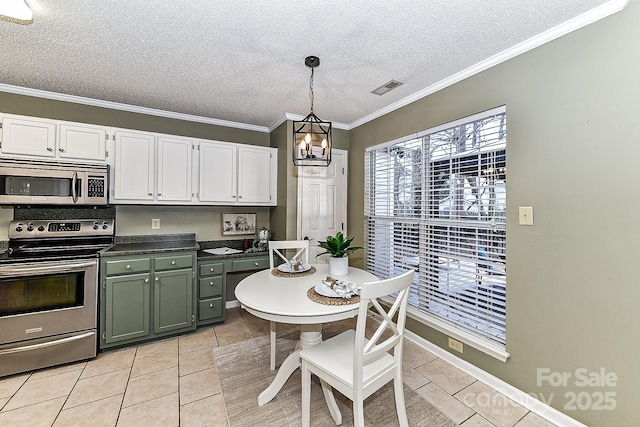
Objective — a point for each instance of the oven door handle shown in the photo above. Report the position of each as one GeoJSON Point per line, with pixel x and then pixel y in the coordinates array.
{"type": "Point", "coordinates": [10, 270]}
{"type": "Point", "coordinates": [46, 344]}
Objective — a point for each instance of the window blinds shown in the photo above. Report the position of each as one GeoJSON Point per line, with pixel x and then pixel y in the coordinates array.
{"type": "Point", "coordinates": [437, 203]}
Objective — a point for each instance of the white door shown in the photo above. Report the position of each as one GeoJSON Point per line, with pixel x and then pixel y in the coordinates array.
{"type": "Point", "coordinates": [82, 142]}
{"type": "Point", "coordinates": [322, 202]}
{"type": "Point", "coordinates": [254, 174]}
{"type": "Point", "coordinates": [29, 137]}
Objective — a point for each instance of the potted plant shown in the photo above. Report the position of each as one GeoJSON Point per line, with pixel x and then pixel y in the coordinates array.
{"type": "Point", "coordinates": [338, 248]}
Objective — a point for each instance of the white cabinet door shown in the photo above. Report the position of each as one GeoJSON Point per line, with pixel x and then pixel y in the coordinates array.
{"type": "Point", "coordinates": [174, 168]}
{"type": "Point", "coordinates": [30, 137]}
{"type": "Point", "coordinates": [82, 142]}
{"type": "Point", "coordinates": [218, 172]}
{"type": "Point", "coordinates": [254, 173]}
{"type": "Point", "coordinates": [134, 169]}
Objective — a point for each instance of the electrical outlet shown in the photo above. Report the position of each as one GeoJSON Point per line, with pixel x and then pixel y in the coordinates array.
{"type": "Point", "coordinates": [155, 224]}
{"type": "Point", "coordinates": [456, 345]}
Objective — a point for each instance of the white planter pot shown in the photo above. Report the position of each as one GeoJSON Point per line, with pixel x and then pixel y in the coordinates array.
{"type": "Point", "coordinates": [339, 266]}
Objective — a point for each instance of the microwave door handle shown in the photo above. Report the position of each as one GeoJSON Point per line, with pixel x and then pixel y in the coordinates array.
{"type": "Point", "coordinates": [74, 184]}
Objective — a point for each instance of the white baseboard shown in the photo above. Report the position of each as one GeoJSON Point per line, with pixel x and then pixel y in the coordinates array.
{"type": "Point", "coordinates": [232, 304]}
{"type": "Point", "coordinates": [534, 405]}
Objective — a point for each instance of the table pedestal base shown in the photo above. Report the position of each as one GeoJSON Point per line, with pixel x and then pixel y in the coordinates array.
{"type": "Point", "coordinates": [310, 335]}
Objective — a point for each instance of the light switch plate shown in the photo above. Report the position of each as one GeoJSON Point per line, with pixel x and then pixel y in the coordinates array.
{"type": "Point", "coordinates": [155, 224]}
{"type": "Point", "coordinates": [525, 215]}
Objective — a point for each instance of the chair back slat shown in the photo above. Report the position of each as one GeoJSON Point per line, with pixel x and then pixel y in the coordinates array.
{"type": "Point", "coordinates": [367, 351]}
{"type": "Point", "coordinates": [277, 248]}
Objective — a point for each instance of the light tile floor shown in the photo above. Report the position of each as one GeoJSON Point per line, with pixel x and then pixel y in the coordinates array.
{"type": "Point", "coordinates": [174, 383]}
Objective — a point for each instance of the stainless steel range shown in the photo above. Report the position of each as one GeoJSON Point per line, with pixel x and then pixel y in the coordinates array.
{"type": "Point", "coordinates": [48, 292]}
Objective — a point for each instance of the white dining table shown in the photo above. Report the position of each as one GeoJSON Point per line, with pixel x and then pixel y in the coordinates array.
{"type": "Point", "coordinates": [284, 300]}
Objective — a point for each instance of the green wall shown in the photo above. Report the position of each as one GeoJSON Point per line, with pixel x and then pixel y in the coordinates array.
{"type": "Point", "coordinates": [573, 126]}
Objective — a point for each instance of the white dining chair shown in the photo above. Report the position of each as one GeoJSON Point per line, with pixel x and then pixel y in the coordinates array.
{"type": "Point", "coordinates": [357, 366]}
{"type": "Point", "coordinates": [277, 251]}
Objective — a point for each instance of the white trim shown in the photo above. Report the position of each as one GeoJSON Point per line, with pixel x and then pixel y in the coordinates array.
{"type": "Point", "coordinates": [485, 346]}
{"type": "Point", "coordinates": [472, 118]}
{"type": "Point", "coordinates": [232, 304]}
{"type": "Point", "coordinates": [126, 107]}
{"type": "Point", "coordinates": [576, 23]}
{"type": "Point", "coordinates": [520, 397]}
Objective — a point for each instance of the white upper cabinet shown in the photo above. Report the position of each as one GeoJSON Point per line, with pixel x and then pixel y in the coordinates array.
{"type": "Point", "coordinates": [82, 142]}
{"type": "Point", "coordinates": [134, 169]}
{"type": "Point", "coordinates": [254, 174]}
{"type": "Point", "coordinates": [35, 137]}
{"type": "Point", "coordinates": [174, 169]}
{"type": "Point", "coordinates": [237, 174]}
{"type": "Point", "coordinates": [152, 169]}
{"type": "Point", "coordinates": [218, 172]}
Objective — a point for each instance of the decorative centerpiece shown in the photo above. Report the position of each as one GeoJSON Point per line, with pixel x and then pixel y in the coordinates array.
{"type": "Point", "coordinates": [338, 249]}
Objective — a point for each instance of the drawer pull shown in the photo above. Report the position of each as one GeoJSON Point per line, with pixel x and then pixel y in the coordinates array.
{"type": "Point", "coordinates": [157, 279]}
{"type": "Point", "coordinates": [211, 269]}
{"type": "Point", "coordinates": [210, 283]}
{"type": "Point", "coordinates": [256, 264]}
{"type": "Point", "coordinates": [128, 267]}
{"type": "Point", "coordinates": [210, 305]}
{"type": "Point", "coordinates": [146, 280]}
{"type": "Point", "coordinates": [173, 263]}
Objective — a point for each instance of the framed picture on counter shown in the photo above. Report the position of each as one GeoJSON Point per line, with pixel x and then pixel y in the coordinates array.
{"type": "Point", "coordinates": [238, 223]}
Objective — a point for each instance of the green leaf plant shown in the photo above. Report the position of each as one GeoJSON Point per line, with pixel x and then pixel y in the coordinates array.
{"type": "Point", "coordinates": [337, 246]}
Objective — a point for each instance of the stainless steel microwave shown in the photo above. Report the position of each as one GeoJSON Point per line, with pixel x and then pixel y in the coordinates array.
{"type": "Point", "coordinates": [41, 182]}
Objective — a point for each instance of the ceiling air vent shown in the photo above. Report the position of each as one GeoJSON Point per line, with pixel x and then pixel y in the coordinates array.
{"type": "Point", "coordinates": [387, 87]}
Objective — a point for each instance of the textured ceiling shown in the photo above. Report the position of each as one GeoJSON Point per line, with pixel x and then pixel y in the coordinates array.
{"type": "Point", "coordinates": [243, 61]}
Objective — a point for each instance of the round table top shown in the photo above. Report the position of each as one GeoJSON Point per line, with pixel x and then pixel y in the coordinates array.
{"type": "Point", "coordinates": [285, 300]}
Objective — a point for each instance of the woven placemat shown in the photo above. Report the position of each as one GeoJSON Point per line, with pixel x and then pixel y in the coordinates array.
{"type": "Point", "coordinates": [279, 273]}
{"type": "Point", "coordinates": [321, 299]}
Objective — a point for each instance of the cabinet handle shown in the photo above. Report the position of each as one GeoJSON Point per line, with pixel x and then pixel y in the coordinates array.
{"type": "Point", "coordinates": [128, 267]}
{"type": "Point", "coordinates": [256, 264]}
{"type": "Point", "coordinates": [49, 149]}
{"type": "Point", "coordinates": [239, 197]}
{"type": "Point", "coordinates": [61, 150]}
{"type": "Point", "coordinates": [211, 269]}
{"type": "Point", "coordinates": [156, 279]}
{"type": "Point", "coordinates": [210, 305]}
{"type": "Point", "coordinates": [146, 280]}
{"type": "Point", "coordinates": [159, 194]}
{"type": "Point", "coordinates": [151, 194]}
{"type": "Point", "coordinates": [210, 283]}
{"type": "Point", "coordinates": [173, 263]}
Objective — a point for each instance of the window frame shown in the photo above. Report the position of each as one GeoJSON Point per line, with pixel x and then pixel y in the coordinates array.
{"type": "Point", "coordinates": [402, 224]}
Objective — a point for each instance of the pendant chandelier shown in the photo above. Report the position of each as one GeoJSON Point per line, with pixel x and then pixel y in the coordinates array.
{"type": "Point", "coordinates": [311, 136]}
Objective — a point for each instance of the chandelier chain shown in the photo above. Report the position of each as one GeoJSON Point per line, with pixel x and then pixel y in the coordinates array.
{"type": "Point", "coordinates": [311, 89]}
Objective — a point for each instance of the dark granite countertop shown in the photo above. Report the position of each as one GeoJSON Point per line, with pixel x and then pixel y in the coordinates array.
{"type": "Point", "coordinates": [138, 245]}
{"type": "Point", "coordinates": [150, 244]}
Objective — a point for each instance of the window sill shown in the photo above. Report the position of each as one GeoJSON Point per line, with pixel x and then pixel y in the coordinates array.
{"type": "Point", "coordinates": [458, 334]}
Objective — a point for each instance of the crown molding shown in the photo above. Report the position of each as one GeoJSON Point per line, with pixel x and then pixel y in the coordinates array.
{"type": "Point", "coordinates": [126, 107]}
{"type": "Point", "coordinates": [576, 23]}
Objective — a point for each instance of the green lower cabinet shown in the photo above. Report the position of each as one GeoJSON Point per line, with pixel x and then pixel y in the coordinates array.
{"type": "Point", "coordinates": [146, 297]}
{"type": "Point", "coordinates": [126, 300]}
{"type": "Point", "coordinates": [173, 301]}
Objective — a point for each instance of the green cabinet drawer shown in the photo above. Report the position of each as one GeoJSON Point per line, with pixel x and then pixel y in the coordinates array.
{"type": "Point", "coordinates": [211, 269]}
{"type": "Point", "coordinates": [210, 309]}
{"type": "Point", "coordinates": [172, 262]}
{"type": "Point", "coordinates": [250, 264]}
{"type": "Point", "coordinates": [211, 287]}
{"type": "Point", "coordinates": [128, 266]}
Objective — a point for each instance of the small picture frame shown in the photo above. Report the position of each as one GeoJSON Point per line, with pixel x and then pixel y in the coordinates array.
{"type": "Point", "coordinates": [234, 224]}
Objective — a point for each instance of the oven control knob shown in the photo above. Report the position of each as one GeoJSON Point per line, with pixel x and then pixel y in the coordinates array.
{"type": "Point", "coordinates": [41, 228]}
{"type": "Point", "coordinates": [105, 226]}
{"type": "Point", "coordinates": [30, 228]}
{"type": "Point", "coordinates": [19, 228]}
{"type": "Point", "coordinates": [95, 226]}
